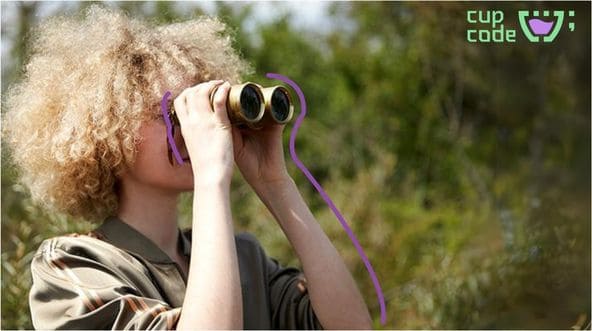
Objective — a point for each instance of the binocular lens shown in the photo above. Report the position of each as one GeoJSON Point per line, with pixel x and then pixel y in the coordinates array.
{"type": "Point", "coordinates": [252, 106]}
{"type": "Point", "coordinates": [250, 102]}
{"type": "Point", "coordinates": [280, 105]}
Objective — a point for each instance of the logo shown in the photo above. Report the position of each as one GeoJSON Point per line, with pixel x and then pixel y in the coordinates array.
{"type": "Point", "coordinates": [548, 30]}
{"type": "Point", "coordinates": [488, 26]}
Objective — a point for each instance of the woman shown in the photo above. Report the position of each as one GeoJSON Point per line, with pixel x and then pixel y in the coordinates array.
{"type": "Point", "coordinates": [85, 129]}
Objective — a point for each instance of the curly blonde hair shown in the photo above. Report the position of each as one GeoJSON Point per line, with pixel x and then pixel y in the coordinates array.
{"type": "Point", "coordinates": [72, 123]}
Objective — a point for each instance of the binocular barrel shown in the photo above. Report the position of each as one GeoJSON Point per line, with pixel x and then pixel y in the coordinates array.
{"type": "Point", "coordinates": [253, 106]}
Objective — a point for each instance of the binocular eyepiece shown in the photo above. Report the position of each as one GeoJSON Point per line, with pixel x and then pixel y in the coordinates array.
{"type": "Point", "coordinates": [253, 106]}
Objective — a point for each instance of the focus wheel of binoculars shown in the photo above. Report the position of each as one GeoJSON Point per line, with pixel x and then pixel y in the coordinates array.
{"type": "Point", "coordinates": [253, 106]}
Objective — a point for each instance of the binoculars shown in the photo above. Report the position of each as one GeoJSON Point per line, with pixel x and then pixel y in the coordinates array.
{"type": "Point", "coordinates": [252, 106]}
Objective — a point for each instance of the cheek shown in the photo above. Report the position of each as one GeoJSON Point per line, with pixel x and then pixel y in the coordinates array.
{"type": "Point", "coordinates": [151, 160]}
{"type": "Point", "coordinates": [152, 165]}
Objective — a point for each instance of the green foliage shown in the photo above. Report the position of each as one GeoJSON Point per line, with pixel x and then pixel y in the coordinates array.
{"type": "Point", "coordinates": [464, 169]}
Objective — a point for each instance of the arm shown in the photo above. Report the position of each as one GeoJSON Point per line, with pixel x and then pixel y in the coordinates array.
{"type": "Point", "coordinates": [335, 297]}
{"type": "Point", "coordinates": [213, 298]}
{"type": "Point", "coordinates": [328, 279]}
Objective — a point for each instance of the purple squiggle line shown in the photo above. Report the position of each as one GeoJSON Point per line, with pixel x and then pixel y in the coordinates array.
{"type": "Point", "coordinates": [324, 195]}
{"type": "Point", "coordinates": [165, 110]}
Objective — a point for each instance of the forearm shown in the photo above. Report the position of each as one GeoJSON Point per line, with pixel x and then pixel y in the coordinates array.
{"type": "Point", "coordinates": [328, 279]}
{"type": "Point", "coordinates": [213, 298]}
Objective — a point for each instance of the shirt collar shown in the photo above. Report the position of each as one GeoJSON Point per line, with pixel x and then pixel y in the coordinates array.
{"type": "Point", "coordinates": [124, 236]}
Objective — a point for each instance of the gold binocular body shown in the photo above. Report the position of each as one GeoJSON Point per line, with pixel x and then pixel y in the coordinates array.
{"type": "Point", "coordinates": [253, 106]}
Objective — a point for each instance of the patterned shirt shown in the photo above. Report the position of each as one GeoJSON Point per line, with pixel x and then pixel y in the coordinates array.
{"type": "Point", "coordinates": [116, 278]}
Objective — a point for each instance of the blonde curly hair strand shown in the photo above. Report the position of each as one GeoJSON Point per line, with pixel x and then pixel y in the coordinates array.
{"type": "Point", "coordinates": [72, 122]}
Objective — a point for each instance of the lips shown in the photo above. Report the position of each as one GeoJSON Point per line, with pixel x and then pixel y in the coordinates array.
{"type": "Point", "coordinates": [540, 27]}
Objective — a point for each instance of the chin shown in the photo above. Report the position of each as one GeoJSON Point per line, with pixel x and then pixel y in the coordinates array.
{"type": "Point", "coordinates": [188, 187]}
{"type": "Point", "coordinates": [177, 186]}
{"type": "Point", "coordinates": [183, 179]}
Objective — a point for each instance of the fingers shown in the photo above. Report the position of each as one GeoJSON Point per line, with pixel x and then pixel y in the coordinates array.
{"type": "Point", "coordinates": [220, 97]}
{"type": "Point", "coordinates": [198, 97]}
{"type": "Point", "coordinates": [195, 101]}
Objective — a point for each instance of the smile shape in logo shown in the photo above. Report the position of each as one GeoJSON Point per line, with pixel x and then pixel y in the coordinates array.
{"type": "Point", "coordinates": [540, 27]}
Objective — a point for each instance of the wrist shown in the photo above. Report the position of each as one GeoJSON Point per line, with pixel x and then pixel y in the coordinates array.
{"type": "Point", "coordinates": [273, 186]}
{"type": "Point", "coordinates": [219, 176]}
{"type": "Point", "coordinates": [273, 192]}
{"type": "Point", "coordinates": [211, 183]}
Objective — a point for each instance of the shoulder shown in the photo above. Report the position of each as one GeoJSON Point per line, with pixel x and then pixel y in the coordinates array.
{"type": "Point", "coordinates": [72, 242]}
{"type": "Point", "coordinates": [249, 249]}
{"type": "Point", "coordinates": [84, 250]}
{"type": "Point", "coordinates": [248, 242]}
{"type": "Point", "coordinates": [89, 245]}
{"type": "Point", "coordinates": [247, 239]}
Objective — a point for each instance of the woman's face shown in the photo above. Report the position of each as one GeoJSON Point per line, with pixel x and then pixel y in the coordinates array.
{"type": "Point", "coordinates": [152, 166]}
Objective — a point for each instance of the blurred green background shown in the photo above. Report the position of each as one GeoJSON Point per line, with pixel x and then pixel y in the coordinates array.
{"type": "Point", "coordinates": [464, 169]}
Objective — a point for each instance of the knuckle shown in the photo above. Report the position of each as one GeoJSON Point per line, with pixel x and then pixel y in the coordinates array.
{"type": "Point", "coordinates": [219, 100]}
{"type": "Point", "coordinates": [204, 89]}
{"type": "Point", "coordinates": [221, 95]}
{"type": "Point", "coordinates": [192, 92]}
{"type": "Point", "coordinates": [178, 102]}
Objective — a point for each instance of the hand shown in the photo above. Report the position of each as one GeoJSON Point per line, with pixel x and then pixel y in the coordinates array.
{"type": "Point", "coordinates": [207, 133]}
{"type": "Point", "coordinates": [259, 155]}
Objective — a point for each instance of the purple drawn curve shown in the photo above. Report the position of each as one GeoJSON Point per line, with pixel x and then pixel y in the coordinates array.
{"type": "Point", "coordinates": [164, 108]}
{"type": "Point", "coordinates": [324, 195]}
{"type": "Point", "coordinates": [540, 27]}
